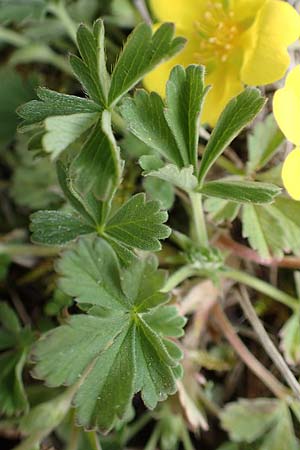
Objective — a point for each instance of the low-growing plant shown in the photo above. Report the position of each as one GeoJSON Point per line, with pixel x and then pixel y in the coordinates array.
{"type": "Point", "coordinates": [121, 333]}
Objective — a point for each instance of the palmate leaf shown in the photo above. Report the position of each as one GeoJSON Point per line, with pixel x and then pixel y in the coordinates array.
{"type": "Point", "coordinates": [142, 52]}
{"type": "Point", "coordinates": [136, 224]}
{"type": "Point", "coordinates": [139, 224]}
{"type": "Point", "coordinates": [117, 348]}
{"type": "Point", "coordinates": [263, 422]}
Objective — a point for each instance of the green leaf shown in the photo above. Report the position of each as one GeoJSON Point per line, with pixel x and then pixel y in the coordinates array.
{"type": "Point", "coordinates": [239, 112]}
{"type": "Point", "coordinates": [263, 142]}
{"type": "Point", "coordinates": [88, 208]}
{"type": "Point", "coordinates": [61, 131]}
{"type": "Point", "coordinates": [13, 92]}
{"type": "Point", "coordinates": [241, 191]}
{"type": "Point", "coordinates": [161, 191]}
{"type": "Point", "coordinates": [221, 210]}
{"type": "Point", "coordinates": [185, 95]}
{"type": "Point", "coordinates": [181, 178]}
{"type": "Point", "coordinates": [119, 345]}
{"type": "Point", "coordinates": [9, 319]}
{"type": "Point", "coordinates": [139, 224]}
{"type": "Point", "coordinates": [13, 399]}
{"type": "Point", "coordinates": [265, 421]}
{"type": "Point", "coordinates": [19, 10]}
{"type": "Point", "coordinates": [56, 227]}
{"type": "Point", "coordinates": [95, 264]}
{"type": "Point", "coordinates": [98, 166]}
{"type": "Point", "coordinates": [52, 103]}
{"type": "Point", "coordinates": [144, 114]}
{"type": "Point", "coordinates": [15, 342]}
{"type": "Point", "coordinates": [91, 70]}
{"type": "Point", "coordinates": [264, 234]}
{"type": "Point", "coordinates": [290, 339]}
{"type": "Point", "coordinates": [34, 181]}
{"type": "Point", "coordinates": [286, 212]}
{"type": "Point", "coordinates": [142, 52]}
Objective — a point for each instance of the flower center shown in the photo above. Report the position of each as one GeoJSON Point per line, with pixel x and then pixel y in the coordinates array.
{"type": "Point", "coordinates": [219, 32]}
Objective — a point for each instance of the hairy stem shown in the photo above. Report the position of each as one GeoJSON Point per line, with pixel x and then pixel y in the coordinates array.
{"type": "Point", "coordinates": [263, 287]}
{"type": "Point", "coordinates": [278, 389]}
{"type": "Point", "coordinates": [198, 219]}
{"type": "Point", "coordinates": [267, 343]}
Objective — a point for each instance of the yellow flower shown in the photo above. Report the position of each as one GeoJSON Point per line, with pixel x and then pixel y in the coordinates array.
{"type": "Point", "coordinates": [286, 108]}
{"type": "Point", "coordinates": [239, 41]}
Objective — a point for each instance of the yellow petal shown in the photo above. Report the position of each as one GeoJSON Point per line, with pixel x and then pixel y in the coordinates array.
{"type": "Point", "coordinates": [225, 84]}
{"type": "Point", "coordinates": [291, 174]}
{"type": "Point", "coordinates": [266, 58]}
{"type": "Point", "coordinates": [286, 107]}
{"type": "Point", "coordinates": [245, 9]}
{"type": "Point", "coordinates": [182, 12]}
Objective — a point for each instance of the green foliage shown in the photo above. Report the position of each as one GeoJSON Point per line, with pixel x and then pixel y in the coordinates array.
{"type": "Point", "coordinates": [136, 224]}
{"type": "Point", "coordinates": [14, 345]}
{"type": "Point", "coordinates": [52, 103]}
{"type": "Point", "coordinates": [34, 181]}
{"type": "Point", "coordinates": [171, 128]}
{"type": "Point", "coordinates": [13, 91]}
{"type": "Point", "coordinates": [91, 69]}
{"type": "Point", "coordinates": [141, 53]}
{"type": "Point", "coordinates": [19, 10]}
{"type": "Point", "coordinates": [266, 422]}
{"type": "Point", "coordinates": [160, 190]}
{"type": "Point", "coordinates": [185, 95]}
{"type": "Point", "coordinates": [145, 116]}
{"type": "Point", "coordinates": [290, 339]}
{"type": "Point", "coordinates": [181, 178]}
{"type": "Point", "coordinates": [241, 191]}
{"type": "Point", "coordinates": [99, 151]}
{"type": "Point", "coordinates": [263, 142]}
{"type": "Point", "coordinates": [120, 347]}
{"type": "Point", "coordinates": [263, 235]}
{"type": "Point", "coordinates": [240, 111]}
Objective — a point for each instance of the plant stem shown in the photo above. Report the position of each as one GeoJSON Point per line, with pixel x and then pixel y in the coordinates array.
{"type": "Point", "coordinates": [151, 444]}
{"type": "Point", "coordinates": [198, 219]}
{"type": "Point", "coordinates": [74, 438]}
{"type": "Point", "coordinates": [137, 426]}
{"type": "Point", "coordinates": [28, 250]}
{"type": "Point", "coordinates": [13, 38]}
{"type": "Point", "coordinates": [257, 368]}
{"type": "Point", "coordinates": [262, 287]}
{"type": "Point", "coordinates": [179, 276]}
{"type": "Point", "coordinates": [267, 343]}
{"type": "Point", "coordinates": [186, 440]}
{"type": "Point", "coordinates": [94, 440]}
{"type": "Point", "coordinates": [60, 11]}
